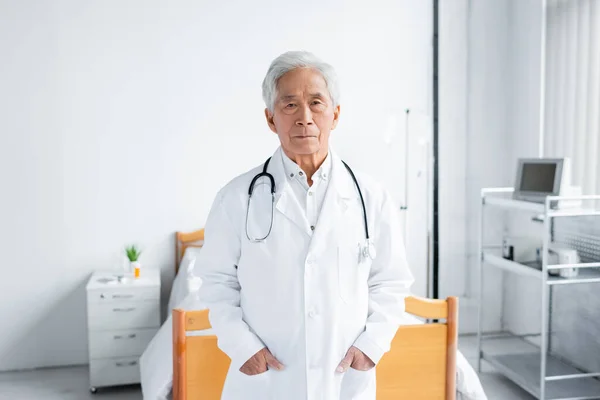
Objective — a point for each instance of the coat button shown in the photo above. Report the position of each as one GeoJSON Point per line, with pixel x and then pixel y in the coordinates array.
{"type": "Point", "coordinates": [312, 313]}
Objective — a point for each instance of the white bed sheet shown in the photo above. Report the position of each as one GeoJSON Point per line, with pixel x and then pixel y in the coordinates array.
{"type": "Point", "coordinates": [156, 364]}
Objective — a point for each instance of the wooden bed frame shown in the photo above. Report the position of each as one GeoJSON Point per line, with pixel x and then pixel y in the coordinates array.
{"type": "Point", "coordinates": [421, 364]}
{"type": "Point", "coordinates": [183, 241]}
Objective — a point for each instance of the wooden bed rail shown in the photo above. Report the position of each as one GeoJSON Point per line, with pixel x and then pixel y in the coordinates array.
{"type": "Point", "coordinates": [421, 364]}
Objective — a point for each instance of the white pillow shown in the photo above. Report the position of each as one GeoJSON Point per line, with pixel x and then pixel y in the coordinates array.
{"type": "Point", "coordinates": [185, 282]}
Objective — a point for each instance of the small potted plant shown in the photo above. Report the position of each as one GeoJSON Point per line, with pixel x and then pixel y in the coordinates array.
{"type": "Point", "coordinates": [133, 254]}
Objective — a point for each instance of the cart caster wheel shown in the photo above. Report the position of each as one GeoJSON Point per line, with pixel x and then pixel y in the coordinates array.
{"type": "Point", "coordinates": [93, 390]}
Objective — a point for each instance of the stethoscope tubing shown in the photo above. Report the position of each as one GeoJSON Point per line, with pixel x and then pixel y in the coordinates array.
{"type": "Point", "coordinates": [266, 174]}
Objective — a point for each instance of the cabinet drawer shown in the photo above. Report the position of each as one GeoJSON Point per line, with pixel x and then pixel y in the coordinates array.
{"type": "Point", "coordinates": [114, 371]}
{"type": "Point", "coordinates": [107, 344]}
{"type": "Point", "coordinates": [112, 295]}
{"type": "Point", "coordinates": [123, 315]}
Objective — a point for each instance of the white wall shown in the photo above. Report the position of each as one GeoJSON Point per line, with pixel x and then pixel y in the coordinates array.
{"type": "Point", "coordinates": [501, 53]}
{"type": "Point", "coordinates": [488, 141]}
{"type": "Point", "coordinates": [119, 121]}
{"type": "Point", "coordinates": [474, 143]}
{"type": "Point", "coordinates": [525, 38]}
{"type": "Point", "coordinates": [453, 86]}
{"type": "Point", "coordinates": [522, 308]}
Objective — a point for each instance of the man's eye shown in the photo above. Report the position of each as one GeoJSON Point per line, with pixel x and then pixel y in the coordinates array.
{"type": "Point", "coordinates": [317, 102]}
{"type": "Point", "coordinates": [291, 105]}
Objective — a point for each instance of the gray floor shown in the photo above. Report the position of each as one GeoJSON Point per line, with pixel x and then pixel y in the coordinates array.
{"type": "Point", "coordinates": [59, 384]}
{"type": "Point", "coordinates": [72, 383]}
{"type": "Point", "coordinates": [496, 386]}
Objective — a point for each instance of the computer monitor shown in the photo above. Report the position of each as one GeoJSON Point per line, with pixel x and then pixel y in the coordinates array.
{"type": "Point", "coordinates": [538, 178]}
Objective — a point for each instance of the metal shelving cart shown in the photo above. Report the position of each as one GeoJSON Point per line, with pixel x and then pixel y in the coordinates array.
{"type": "Point", "coordinates": [528, 361]}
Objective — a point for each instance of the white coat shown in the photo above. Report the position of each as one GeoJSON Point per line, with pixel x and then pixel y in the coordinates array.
{"type": "Point", "coordinates": [305, 295]}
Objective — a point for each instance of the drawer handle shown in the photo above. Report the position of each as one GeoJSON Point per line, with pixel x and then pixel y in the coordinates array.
{"type": "Point", "coordinates": [123, 309]}
{"type": "Point", "coordinates": [128, 364]}
{"type": "Point", "coordinates": [131, 336]}
{"type": "Point", "coordinates": [122, 296]}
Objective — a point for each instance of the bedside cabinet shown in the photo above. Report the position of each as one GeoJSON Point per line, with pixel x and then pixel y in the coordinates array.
{"type": "Point", "coordinates": [122, 319]}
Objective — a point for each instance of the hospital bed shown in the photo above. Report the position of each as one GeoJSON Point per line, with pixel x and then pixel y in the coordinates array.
{"type": "Point", "coordinates": [157, 361]}
{"type": "Point", "coordinates": [421, 364]}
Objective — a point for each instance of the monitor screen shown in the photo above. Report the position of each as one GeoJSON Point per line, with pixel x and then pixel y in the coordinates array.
{"type": "Point", "coordinates": [538, 177]}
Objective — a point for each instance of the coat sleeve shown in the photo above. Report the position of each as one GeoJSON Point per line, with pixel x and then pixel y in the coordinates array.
{"type": "Point", "coordinates": [220, 289]}
{"type": "Point", "coordinates": [389, 283]}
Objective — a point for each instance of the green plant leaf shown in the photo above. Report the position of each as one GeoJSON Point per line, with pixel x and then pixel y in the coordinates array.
{"type": "Point", "coordinates": [133, 253]}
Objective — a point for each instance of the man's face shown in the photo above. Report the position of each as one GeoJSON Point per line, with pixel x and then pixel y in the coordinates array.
{"type": "Point", "coordinates": [303, 114]}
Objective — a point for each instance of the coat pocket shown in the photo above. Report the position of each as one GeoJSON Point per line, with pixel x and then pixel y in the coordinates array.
{"type": "Point", "coordinates": [241, 386]}
{"type": "Point", "coordinates": [353, 274]}
{"type": "Point", "coordinates": [356, 383]}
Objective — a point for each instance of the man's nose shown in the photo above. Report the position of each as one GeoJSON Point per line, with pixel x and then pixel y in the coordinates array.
{"type": "Point", "coordinates": [305, 117]}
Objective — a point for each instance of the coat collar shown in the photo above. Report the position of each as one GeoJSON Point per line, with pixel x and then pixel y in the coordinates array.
{"type": "Point", "coordinates": [340, 178]}
{"type": "Point", "coordinates": [341, 191]}
{"type": "Point", "coordinates": [293, 171]}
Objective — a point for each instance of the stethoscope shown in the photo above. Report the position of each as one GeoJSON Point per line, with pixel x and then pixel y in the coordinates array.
{"type": "Point", "coordinates": [368, 249]}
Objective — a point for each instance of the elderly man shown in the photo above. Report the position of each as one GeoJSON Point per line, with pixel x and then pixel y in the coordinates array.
{"type": "Point", "coordinates": [303, 266]}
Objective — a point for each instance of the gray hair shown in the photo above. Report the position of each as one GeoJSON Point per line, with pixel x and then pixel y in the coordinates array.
{"type": "Point", "coordinates": [298, 59]}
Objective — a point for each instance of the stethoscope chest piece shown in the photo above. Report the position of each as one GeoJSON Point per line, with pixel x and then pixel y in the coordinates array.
{"type": "Point", "coordinates": [369, 251]}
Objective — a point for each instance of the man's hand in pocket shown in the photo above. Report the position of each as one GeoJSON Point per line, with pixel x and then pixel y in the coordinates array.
{"type": "Point", "coordinates": [355, 359]}
{"type": "Point", "coordinates": [260, 363]}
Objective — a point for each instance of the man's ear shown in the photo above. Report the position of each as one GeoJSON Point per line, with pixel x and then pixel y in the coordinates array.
{"type": "Point", "coordinates": [336, 117]}
{"type": "Point", "coordinates": [269, 115]}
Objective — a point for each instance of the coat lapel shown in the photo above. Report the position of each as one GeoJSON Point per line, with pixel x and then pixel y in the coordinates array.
{"type": "Point", "coordinates": [341, 192]}
{"type": "Point", "coordinates": [285, 201]}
